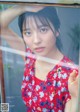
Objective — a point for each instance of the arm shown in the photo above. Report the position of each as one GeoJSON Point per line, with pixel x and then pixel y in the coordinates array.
{"type": "Point", "coordinates": [15, 11]}
{"type": "Point", "coordinates": [10, 14]}
{"type": "Point", "coordinates": [11, 37]}
{"type": "Point", "coordinates": [13, 40]}
{"type": "Point", "coordinates": [71, 105]}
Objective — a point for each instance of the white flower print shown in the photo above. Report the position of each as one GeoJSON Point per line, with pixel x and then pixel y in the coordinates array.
{"type": "Point", "coordinates": [59, 83]}
{"type": "Point", "coordinates": [51, 96]}
{"type": "Point", "coordinates": [29, 94]}
{"type": "Point", "coordinates": [30, 102]}
{"type": "Point", "coordinates": [33, 82]}
{"type": "Point", "coordinates": [41, 94]}
{"type": "Point", "coordinates": [27, 61]}
{"type": "Point", "coordinates": [55, 75]}
{"type": "Point", "coordinates": [23, 78]}
{"type": "Point", "coordinates": [66, 95]}
{"type": "Point", "coordinates": [60, 111]}
{"type": "Point", "coordinates": [34, 99]}
{"type": "Point", "coordinates": [44, 110]}
{"type": "Point", "coordinates": [37, 87]}
{"type": "Point", "coordinates": [27, 78]}
{"type": "Point", "coordinates": [63, 89]}
{"type": "Point", "coordinates": [31, 73]}
{"type": "Point", "coordinates": [64, 76]}
{"type": "Point", "coordinates": [59, 75]}
{"type": "Point", "coordinates": [23, 86]}
{"type": "Point", "coordinates": [54, 82]}
{"type": "Point", "coordinates": [59, 93]}
{"type": "Point", "coordinates": [30, 86]}
{"type": "Point", "coordinates": [52, 110]}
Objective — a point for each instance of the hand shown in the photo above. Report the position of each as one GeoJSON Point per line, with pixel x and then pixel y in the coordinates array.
{"type": "Point", "coordinates": [73, 84]}
{"type": "Point", "coordinates": [32, 8]}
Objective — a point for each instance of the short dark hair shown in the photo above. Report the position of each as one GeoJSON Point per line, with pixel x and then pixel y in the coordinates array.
{"type": "Point", "coordinates": [47, 15]}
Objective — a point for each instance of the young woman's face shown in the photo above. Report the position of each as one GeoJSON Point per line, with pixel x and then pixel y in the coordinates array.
{"type": "Point", "coordinates": [39, 38]}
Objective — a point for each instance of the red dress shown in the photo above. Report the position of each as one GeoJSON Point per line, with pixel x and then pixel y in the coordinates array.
{"type": "Point", "coordinates": [49, 95]}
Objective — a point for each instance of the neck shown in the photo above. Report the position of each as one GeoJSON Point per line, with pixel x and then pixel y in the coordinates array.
{"type": "Point", "coordinates": [46, 61]}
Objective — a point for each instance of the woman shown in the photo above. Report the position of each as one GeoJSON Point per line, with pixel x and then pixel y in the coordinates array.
{"type": "Point", "coordinates": [46, 87]}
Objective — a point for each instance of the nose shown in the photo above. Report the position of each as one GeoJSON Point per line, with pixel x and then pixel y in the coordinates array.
{"type": "Point", "coordinates": [36, 38]}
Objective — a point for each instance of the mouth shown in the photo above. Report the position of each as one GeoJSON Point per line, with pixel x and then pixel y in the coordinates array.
{"type": "Point", "coordinates": [39, 49]}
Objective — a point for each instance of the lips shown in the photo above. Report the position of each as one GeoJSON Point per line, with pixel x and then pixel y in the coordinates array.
{"type": "Point", "coordinates": [39, 49]}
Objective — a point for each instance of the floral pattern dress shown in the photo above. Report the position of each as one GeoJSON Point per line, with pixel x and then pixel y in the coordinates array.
{"type": "Point", "coordinates": [49, 95]}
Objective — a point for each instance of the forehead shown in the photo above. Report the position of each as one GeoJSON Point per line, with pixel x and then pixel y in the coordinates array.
{"type": "Point", "coordinates": [35, 21]}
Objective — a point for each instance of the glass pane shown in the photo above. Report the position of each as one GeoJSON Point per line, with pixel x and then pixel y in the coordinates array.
{"type": "Point", "coordinates": [40, 48]}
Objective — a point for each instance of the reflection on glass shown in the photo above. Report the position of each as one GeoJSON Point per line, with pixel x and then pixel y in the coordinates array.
{"type": "Point", "coordinates": [46, 42]}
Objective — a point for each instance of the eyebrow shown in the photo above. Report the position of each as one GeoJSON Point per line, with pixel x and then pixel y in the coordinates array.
{"type": "Point", "coordinates": [38, 26]}
{"type": "Point", "coordinates": [25, 29]}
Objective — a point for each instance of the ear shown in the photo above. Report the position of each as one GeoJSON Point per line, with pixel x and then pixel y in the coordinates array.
{"type": "Point", "coordinates": [57, 32]}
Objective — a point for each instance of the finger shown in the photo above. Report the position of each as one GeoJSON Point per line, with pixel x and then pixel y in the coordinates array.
{"type": "Point", "coordinates": [72, 76]}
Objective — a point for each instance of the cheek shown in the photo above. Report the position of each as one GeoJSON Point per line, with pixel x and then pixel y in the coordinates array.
{"type": "Point", "coordinates": [50, 38]}
{"type": "Point", "coordinates": [27, 41]}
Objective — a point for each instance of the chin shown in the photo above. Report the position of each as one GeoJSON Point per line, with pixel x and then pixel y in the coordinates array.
{"type": "Point", "coordinates": [42, 54]}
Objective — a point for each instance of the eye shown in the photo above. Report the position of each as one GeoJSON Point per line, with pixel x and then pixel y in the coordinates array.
{"type": "Point", "coordinates": [43, 29]}
{"type": "Point", "coordinates": [27, 33]}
